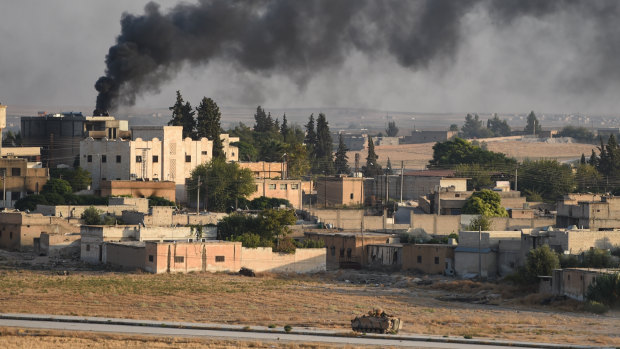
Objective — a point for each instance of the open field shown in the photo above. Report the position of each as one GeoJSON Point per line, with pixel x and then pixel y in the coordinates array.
{"type": "Point", "coordinates": [418, 155]}
{"type": "Point", "coordinates": [323, 300]}
{"type": "Point", "coordinates": [35, 339]}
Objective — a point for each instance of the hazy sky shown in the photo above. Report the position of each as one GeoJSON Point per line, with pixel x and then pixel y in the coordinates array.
{"type": "Point", "coordinates": [566, 60]}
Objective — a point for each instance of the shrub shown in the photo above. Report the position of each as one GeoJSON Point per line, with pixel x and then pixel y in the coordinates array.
{"type": "Point", "coordinates": [540, 261]}
{"type": "Point", "coordinates": [30, 202]}
{"type": "Point", "coordinates": [92, 216]}
{"type": "Point", "coordinates": [605, 290]}
{"type": "Point", "coordinates": [159, 201]}
{"type": "Point", "coordinates": [480, 223]}
{"type": "Point", "coordinates": [595, 307]}
{"type": "Point", "coordinates": [285, 245]}
{"type": "Point", "coordinates": [309, 243]}
{"type": "Point", "coordinates": [288, 328]}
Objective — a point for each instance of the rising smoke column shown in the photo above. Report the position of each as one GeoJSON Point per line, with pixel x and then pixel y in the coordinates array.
{"type": "Point", "coordinates": [298, 38]}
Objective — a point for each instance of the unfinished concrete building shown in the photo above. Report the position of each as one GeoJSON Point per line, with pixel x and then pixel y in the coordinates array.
{"type": "Point", "coordinates": [588, 211]}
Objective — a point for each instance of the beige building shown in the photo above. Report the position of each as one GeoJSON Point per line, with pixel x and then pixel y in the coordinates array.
{"type": "Point", "coordinates": [18, 230]}
{"type": "Point", "coordinates": [289, 189]}
{"type": "Point", "coordinates": [572, 282]}
{"type": "Point", "coordinates": [21, 179]}
{"type": "Point", "coordinates": [413, 184]}
{"type": "Point", "coordinates": [162, 155]}
{"type": "Point", "coordinates": [348, 250]}
{"type": "Point", "coordinates": [340, 191]}
{"type": "Point", "coordinates": [589, 211]}
{"type": "Point", "coordinates": [139, 189]}
{"type": "Point", "coordinates": [264, 169]}
{"type": "Point", "coordinates": [429, 258]}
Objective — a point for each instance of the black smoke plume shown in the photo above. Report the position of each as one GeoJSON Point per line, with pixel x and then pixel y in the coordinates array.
{"type": "Point", "coordinates": [298, 38]}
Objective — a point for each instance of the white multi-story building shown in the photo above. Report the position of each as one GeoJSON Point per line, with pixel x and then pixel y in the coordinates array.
{"type": "Point", "coordinates": [155, 153]}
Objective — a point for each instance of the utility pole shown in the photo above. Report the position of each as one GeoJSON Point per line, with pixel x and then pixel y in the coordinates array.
{"type": "Point", "coordinates": [4, 188]}
{"type": "Point", "coordinates": [198, 197]}
{"type": "Point", "coordinates": [325, 189]}
{"type": "Point", "coordinates": [479, 252]}
{"type": "Point", "coordinates": [516, 178]}
{"type": "Point", "coordinates": [402, 176]}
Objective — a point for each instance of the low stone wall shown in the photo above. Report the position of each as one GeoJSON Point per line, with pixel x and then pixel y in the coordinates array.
{"type": "Point", "coordinates": [304, 260]}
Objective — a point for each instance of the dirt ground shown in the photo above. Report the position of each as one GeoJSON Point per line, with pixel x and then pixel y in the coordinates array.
{"type": "Point", "coordinates": [418, 155]}
{"type": "Point", "coordinates": [328, 300]}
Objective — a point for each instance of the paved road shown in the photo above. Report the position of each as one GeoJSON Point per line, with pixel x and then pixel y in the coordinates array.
{"type": "Point", "coordinates": [236, 332]}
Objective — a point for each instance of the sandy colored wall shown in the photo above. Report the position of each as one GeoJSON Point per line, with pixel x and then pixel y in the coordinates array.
{"type": "Point", "coordinates": [304, 260]}
{"type": "Point", "coordinates": [433, 258]}
{"type": "Point", "coordinates": [125, 256]}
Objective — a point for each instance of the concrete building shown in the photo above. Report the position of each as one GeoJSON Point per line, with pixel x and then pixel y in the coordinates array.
{"type": "Point", "coordinates": [429, 258]}
{"type": "Point", "coordinates": [418, 136]}
{"type": "Point", "coordinates": [169, 158]}
{"type": "Point", "coordinates": [348, 250]}
{"type": "Point", "coordinates": [340, 191]}
{"type": "Point", "coordinates": [115, 207]}
{"type": "Point", "coordinates": [264, 169]}
{"type": "Point", "coordinates": [414, 184]}
{"type": "Point", "coordinates": [589, 211]}
{"type": "Point", "coordinates": [385, 141]}
{"type": "Point", "coordinates": [18, 230]}
{"type": "Point", "coordinates": [572, 282]}
{"type": "Point", "coordinates": [164, 216]}
{"type": "Point", "coordinates": [288, 189]}
{"type": "Point", "coordinates": [569, 241]}
{"type": "Point", "coordinates": [59, 135]}
{"type": "Point", "coordinates": [477, 253]}
{"type": "Point", "coordinates": [139, 189]}
{"type": "Point", "coordinates": [384, 256]}
{"type": "Point", "coordinates": [21, 178]}
{"type": "Point", "coordinates": [353, 141]}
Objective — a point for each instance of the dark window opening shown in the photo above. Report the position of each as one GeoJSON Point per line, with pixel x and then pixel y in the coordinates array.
{"type": "Point", "coordinates": [118, 158]}
{"type": "Point", "coordinates": [436, 260]}
{"type": "Point", "coordinates": [419, 259]}
{"type": "Point", "coordinates": [188, 158]}
{"type": "Point", "coordinates": [138, 158]}
{"type": "Point", "coordinates": [333, 250]}
{"type": "Point", "coordinates": [150, 258]}
{"type": "Point", "coordinates": [348, 253]}
{"type": "Point", "coordinates": [89, 158]}
{"type": "Point", "coordinates": [87, 248]}
{"type": "Point", "coordinates": [179, 259]}
{"type": "Point", "coordinates": [16, 171]}
{"type": "Point", "coordinates": [342, 252]}
{"type": "Point", "coordinates": [104, 158]}
{"type": "Point", "coordinates": [155, 158]}
{"type": "Point", "coordinates": [220, 258]}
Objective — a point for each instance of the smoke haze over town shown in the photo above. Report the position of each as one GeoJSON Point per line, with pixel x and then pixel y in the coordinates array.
{"type": "Point", "coordinates": [435, 56]}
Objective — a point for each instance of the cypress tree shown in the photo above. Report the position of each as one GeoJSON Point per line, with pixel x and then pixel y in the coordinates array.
{"type": "Point", "coordinates": [372, 168]}
{"type": "Point", "coordinates": [183, 115]}
{"type": "Point", "coordinates": [208, 125]}
{"type": "Point", "coordinates": [325, 160]}
{"type": "Point", "coordinates": [284, 128]}
{"type": "Point", "coordinates": [341, 161]}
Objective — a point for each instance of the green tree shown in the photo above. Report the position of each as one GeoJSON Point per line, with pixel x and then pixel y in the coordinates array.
{"type": "Point", "coordinates": [342, 160]}
{"type": "Point", "coordinates": [183, 115]}
{"type": "Point", "coordinates": [549, 178]}
{"type": "Point", "coordinates": [92, 216]}
{"type": "Point", "coordinates": [297, 160]}
{"type": "Point", "coordinates": [593, 160]}
{"type": "Point", "coordinates": [266, 229]}
{"type": "Point", "coordinates": [208, 125]}
{"type": "Point", "coordinates": [588, 179]}
{"type": "Point", "coordinates": [605, 289]}
{"type": "Point", "coordinates": [78, 178]}
{"type": "Point", "coordinates": [324, 158]}
{"type": "Point", "coordinates": [454, 127]}
{"type": "Point", "coordinates": [30, 202]}
{"type": "Point", "coordinates": [388, 167]}
{"type": "Point", "coordinates": [391, 130]}
{"type": "Point", "coordinates": [473, 128]}
{"type": "Point", "coordinates": [608, 162]}
{"type": "Point", "coordinates": [284, 129]}
{"type": "Point", "coordinates": [459, 151]}
{"type": "Point", "coordinates": [486, 203]}
{"type": "Point", "coordinates": [246, 144]}
{"type": "Point", "coordinates": [220, 184]}
{"type": "Point", "coordinates": [311, 140]}
{"type": "Point", "coordinates": [372, 168]}
{"type": "Point", "coordinates": [56, 186]}
{"type": "Point", "coordinates": [540, 261]}
{"type": "Point", "coordinates": [479, 176]}
{"type": "Point", "coordinates": [533, 125]}
{"type": "Point", "coordinates": [263, 121]}
{"type": "Point", "coordinates": [582, 161]}
{"type": "Point", "coordinates": [159, 201]}
{"type": "Point", "coordinates": [500, 128]}
{"type": "Point", "coordinates": [480, 223]}
{"type": "Point", "coordinates": [11, 139]}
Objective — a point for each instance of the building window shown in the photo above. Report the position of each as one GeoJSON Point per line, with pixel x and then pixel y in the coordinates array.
{"type": "Point", "coordinates": [16, 195]}
{"type": "Point", "coordinates": [11, 237]}
{"type": "Point", "coordinates": [348, 252]}
{"type": "Point", "coordinates": [283, 186]}
{"type": "Point", "coordinates": [220, 259]}
{"type": "Point", "coordinates": [436, 260]}
{"type": "Point", "coordinates": [272, 186]}
{"type": "Point", "coordinates": [342, 252]}
{"type": "Point", "coordinates": [104, 158]}
{"type": "Point", "coordinates": [333, 250]}
{"type": "Point", "coordinates": [257, 187]}
{"type": "Point", "coordinates": [232, 154]}
{"type": "Point", "coordinates": [457, 195]}
{"type": "Point", "coordinates": [295, 186]}
{"type": "Point", "coordinates": [351, 196]}
{"type": "Point", "coordinates": [188, 158]}
{"type": "Point", "coordinates": [89, 158]}
{"type": "Point", "coordinates": [204, 152]}
{"type": "Point", "coordinates": [150, 258]}
{"type": "Point", "coordinates": [104, 179]}
{"type": "Point", "coordinates": [118, 158]}
{"type": "Point", "coordinates": [155, 158]}
{"type": "Point", "coordinates": [87, 248]}
{"type": "Point", "coordinates": [16, 171]}
{"type": "Point", "coordinates": [138, 158]}
{"type": "Point", "coordinates": [179, 259]}
{"type": "Point", "coordinates": [419, 259]}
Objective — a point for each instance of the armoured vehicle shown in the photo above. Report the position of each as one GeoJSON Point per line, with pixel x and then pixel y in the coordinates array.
{"type": "Point", "coordinates": [376, 321]}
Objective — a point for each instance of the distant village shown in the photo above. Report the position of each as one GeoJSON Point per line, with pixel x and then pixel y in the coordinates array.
{"type": "Point", "coordinates": [150, 198]}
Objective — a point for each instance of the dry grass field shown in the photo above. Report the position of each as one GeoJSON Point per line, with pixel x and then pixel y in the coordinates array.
{"type": "Point", "coordinates": [418, 155]}
{"type": "Point", "coordinates": [43, 339]}
{"type": "Point", "coordinates": [323, 300]}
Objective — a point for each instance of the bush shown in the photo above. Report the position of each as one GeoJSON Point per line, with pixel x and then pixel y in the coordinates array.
{"type": "Point", "coordinates": [540, 261]}
{"type": "Point", "coordinates": [480, 223]}
{"type": "Point", "coordinates": [285, 245]}
{"type": "Point", "coordinates": [598, 258]}
{"type": "Point", "coordinates": [569, 261]}
{"type": "Point", "coordinates": [595, 307]}
{"type": "Point", "coordinates": [288, 328]}
{"type": "Point", "coordinates": [309, 243]}
{"type": "Point", "coordinates": [605, 290]}
{"type": "Point", "coordinates": [58, 186]}
{"type": "Point", "coordinates": [30, 202]}
{"type": "Point", "coordinates": [92, 216]}
{"type": "Point", "coordinates": [159, 201]}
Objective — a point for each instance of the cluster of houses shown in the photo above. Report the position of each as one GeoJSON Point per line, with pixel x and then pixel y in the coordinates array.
{"type": "Point", "coordinates": [131, 164]}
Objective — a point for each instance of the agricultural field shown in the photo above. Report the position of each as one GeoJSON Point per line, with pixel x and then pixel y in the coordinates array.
{"type": "Point", "coordinates": [416, 156]}
{"type": "Point", "coordinates": [434, 306]}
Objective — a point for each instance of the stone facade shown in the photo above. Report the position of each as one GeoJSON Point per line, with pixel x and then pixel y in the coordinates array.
{"type": "Point", "coordinates": [348, 250]}
{"type": "Point", "coordinates": [18, 230]}
{"type": "Point", "coordinates": [340, 191]}
{"type": "Point", "coordinates": [429, 258]}
{"type": "Point", "coordinates": [21, 179]}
